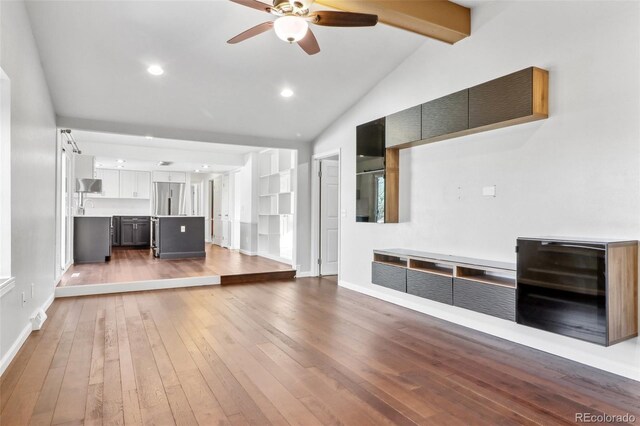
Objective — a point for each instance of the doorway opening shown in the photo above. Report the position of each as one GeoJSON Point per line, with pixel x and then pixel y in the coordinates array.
{"type": "Point", "coordinates": [326, 214]}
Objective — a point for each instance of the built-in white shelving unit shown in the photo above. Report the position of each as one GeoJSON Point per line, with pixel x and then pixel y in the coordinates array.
{"type": "Point", "coordinates": [276, 206]}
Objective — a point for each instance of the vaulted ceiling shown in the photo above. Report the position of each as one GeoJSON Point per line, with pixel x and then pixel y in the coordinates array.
{"type": "Point", "coordinates": [95, 55]}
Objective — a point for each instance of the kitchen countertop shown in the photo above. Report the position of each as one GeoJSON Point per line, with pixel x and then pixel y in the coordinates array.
{"type": "Point", "coordinates": [113, 215]}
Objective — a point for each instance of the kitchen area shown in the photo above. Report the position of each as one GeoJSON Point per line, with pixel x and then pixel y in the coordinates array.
{"type": "Point", "coordinates": [123, 213]}
{"type": "Point", "coordinates": [140, 213]}
{"type": "Point", "coordinates": [166, 229]}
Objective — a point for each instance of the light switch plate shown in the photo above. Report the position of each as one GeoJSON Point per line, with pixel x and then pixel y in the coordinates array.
{"type": "Point", "coordinates": [183, 229]}
{"type": "Point", "coordinates": [489, 191]}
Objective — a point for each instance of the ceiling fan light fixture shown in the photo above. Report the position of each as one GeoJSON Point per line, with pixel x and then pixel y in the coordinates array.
{"type": "Point", "coordinates": [291, 28]}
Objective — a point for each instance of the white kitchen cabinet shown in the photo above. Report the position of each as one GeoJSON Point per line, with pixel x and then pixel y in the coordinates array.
{"type": "Point", "coordinates": [174, 177]}
{"type": "Point", "coordinates": [134, 184]}
{"type": "Point", "coordinates": [110, 184]}
{"type": "Point", "coordinates": [143, 182]}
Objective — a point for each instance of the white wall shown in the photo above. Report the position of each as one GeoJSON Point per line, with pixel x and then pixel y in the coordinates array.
{"type": "Point", "coordinates": [575, 174]}
{"type": "Point", "coordinates": [33, 176]}
{"type": "Point", "coordinates": [117, 207]}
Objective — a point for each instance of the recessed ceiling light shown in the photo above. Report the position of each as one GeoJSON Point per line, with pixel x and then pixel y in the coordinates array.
{"type": "Point", "coordinates": [98, 164]}
{"type": "Point", "coordinates": [197, 171]}
{"type": "Point", "coordinates": [205, 166]}
{"type": "Point", "coordinates": [155, 70]}
{"type": "Point", "coordinates": [120, 161]}
{"type": "Point", "coordinates": [120, 167]}
{"type": "Point", "coordinates": [286, 93]}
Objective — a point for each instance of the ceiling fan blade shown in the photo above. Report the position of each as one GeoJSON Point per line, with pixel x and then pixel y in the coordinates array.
{"type": "Point", "coordinates": [254, 4]}
{"type": "Point", "coordinates": [309, 43]}
{"type": "Point", "coordinates": [251, 32]}
{"type": "Point", "coordinates": [330, 18]}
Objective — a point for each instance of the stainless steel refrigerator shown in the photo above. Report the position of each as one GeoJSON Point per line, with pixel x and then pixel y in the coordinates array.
{"type": "Point", "coordinates": [168, 199]}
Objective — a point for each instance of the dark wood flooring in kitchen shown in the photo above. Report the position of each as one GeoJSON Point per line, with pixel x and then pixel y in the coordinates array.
{"type": "Point", "coordinates": [139, 265]}
{"type": "Point", "coordinates": [293, 352]}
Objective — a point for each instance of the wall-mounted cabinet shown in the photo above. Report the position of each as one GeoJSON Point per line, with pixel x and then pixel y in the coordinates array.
{"type": "Point", "coordinates": [505, 98]}
{"type": "Point", "coordinates": [123, 184]}
{"type": "Point", "coordinates": [135, 184]}
{"type": "Point", "coordinates": [403, 127]}
{"type": "Point", "coordinates": [110, 184]}
{"type": "Point", "coordinates": [516, 98]}
{"type": "Point", "coordinates": [373, 177]}
{"type": "Point", "coordinates": [446, 115]}
{"type": "Point", "coordinates": [174, 177]}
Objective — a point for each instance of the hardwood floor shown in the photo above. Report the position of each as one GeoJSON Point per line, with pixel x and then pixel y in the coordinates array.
{"type": "Point", "coordinates": [293, 352]}
{"type": "Point", "coordinates": [140, 265]}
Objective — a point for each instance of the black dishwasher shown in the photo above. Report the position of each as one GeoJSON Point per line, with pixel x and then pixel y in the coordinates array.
{"type": "Point", "coordinates": [562, 288]}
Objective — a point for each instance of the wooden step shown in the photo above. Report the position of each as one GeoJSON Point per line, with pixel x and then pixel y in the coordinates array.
{"type": "Point", "coordinates": [257, 277]}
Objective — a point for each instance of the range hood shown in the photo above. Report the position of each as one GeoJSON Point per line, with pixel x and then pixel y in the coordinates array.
{"type": "Point", "coordinates": [92, 186]}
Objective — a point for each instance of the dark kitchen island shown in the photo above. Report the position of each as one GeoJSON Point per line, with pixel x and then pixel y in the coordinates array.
{"type": "Point", "coordinates": [178, 237]}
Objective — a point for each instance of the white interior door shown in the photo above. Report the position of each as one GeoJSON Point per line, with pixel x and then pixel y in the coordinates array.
{"type": "Point", "coordinates": [329, 216]}
{"type": "Point", "coordinates": [236, 211]}
{"type": "Point", "coordinates": [217, 212]}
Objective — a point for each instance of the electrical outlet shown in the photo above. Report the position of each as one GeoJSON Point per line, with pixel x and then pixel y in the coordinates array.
{"type": "Point", "coordinates": [33, 290]}
{"type": "Point", "coordinates": [24, 299]}
{"type": "Point", "coordinates": [183, 229]}
{"type": "Point", "coordinates": [489, 191]}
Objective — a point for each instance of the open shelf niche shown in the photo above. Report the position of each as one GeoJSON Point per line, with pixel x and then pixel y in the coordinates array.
{"type": "Point", "coordinates": [276, 169]}
{"type": "Point", "coordinates": [486, 276]}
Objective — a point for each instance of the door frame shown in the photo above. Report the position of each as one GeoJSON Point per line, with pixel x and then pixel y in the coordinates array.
{"type": "Point", "coordinates": [315, 209]}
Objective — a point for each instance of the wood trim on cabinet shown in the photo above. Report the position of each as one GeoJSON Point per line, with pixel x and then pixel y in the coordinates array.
{"type": "Point", "coordinates": [392, 185]}
{"type": "Point", "coordinates": [540, 94]}
{"type": "Point", "coordinates": [622, 292]}
{"type": "Point", "coordinates": [441, 20]}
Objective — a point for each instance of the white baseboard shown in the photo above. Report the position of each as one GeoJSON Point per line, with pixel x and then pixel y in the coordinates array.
{"type": "Point", "coordinates": [15, 347]}
{"type": "Point", "coordinates": [619, 359]}
{"type": "Point", "coordinates": [276, 258]}
{"type": "Point", "coordinates": [248, 253]}
{"type": "Point", "coordinates": [304, 274]}
{"type": "Point", "coordinates": [6, 285]}
{"type": "Point", "coordinates": [22, 337]}
{"type": "Point", "coordinates": [94, 289]}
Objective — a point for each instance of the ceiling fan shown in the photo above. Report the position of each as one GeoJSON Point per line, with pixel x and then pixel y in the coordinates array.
{"type": "Point", "coordinates": [293, 18]}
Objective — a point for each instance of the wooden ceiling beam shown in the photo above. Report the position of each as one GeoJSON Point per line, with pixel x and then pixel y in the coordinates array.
{"type": "Point", "coordinates": [439, 19]}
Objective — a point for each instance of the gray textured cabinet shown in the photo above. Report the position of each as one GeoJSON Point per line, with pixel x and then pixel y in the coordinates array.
{"type": "Point", "coordinates": [505, 98]}
{"type": "Point", "coordinates": [430, 286]}
{"type": "Point", "coordinates": [403, 127]}
{"type": "Point", "coordinates": [446, 115]}
{"type": "Point", "coordinates": [393, 277]}
{"type": "Point", "coordinates": [490, 299]}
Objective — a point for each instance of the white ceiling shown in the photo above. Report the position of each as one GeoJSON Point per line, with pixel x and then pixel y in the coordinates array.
{"type": "Point", "coordinates": [95, 55]}
{"type": "Point", "coordinates": [115, 139]}
{"type": "Point", "coordinates": [141, 153]}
